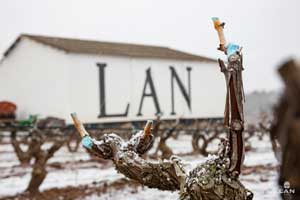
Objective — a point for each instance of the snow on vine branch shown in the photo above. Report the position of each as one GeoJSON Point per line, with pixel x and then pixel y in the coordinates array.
{"type": "Point", "coordinates": [209, 180]}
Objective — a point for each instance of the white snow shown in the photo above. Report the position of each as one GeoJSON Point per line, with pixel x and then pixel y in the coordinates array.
{"type": "Point", "coordinates": [135, 194]}
{"type": "Point", "coordinates": [263, 184]}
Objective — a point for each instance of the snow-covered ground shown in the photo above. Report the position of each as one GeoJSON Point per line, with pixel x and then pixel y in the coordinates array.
{"type": "Point", "coordinates": [79, 170]}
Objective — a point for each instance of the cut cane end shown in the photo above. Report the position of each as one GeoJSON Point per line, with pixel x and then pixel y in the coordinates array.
{"type": "Point", "coordinates": [74, 115]}
{"type": "Point", "coordinates": [79, 126]}
{"type": "Point", "coordinates": [147, 129]}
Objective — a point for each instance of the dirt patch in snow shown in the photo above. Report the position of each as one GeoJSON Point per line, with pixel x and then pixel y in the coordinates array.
{"type": "Point", "coordinates": [71, 193]}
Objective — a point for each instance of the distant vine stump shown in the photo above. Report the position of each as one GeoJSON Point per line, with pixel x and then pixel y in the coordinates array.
{"type": "Point", "coordinates": [73, 141]}
{"type": "Point", "coordinates": [205, 133]}
{"type": "Point", "coordinates": [41, 157]}
{"type": "Point", "coordinates": [166, 151]}
{"type": "Point", "coordinates": [24, 156]}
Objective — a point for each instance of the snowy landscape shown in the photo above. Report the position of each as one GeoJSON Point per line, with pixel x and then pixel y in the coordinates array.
{"type": "Point", "coordinates": [146, 100]}
{"type": "Point", "coordinates": [99, 180]}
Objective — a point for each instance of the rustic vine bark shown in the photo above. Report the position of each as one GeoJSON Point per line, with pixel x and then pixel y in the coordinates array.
{"type": "Point", "coordinates": [24, 156]}
{"type": "Point", "coordinates": [234, 118]}
{"type": "Point", "coordinates": [234, 113]}
{"type": "Point", "coordinates": [41, 157]}
{"type": "Point", "coordinates": [73, 142]}
{"type": "Point", "coordinates": [205, 134]}
{"type": "Point", "coordinates": [166, 151]}
{"type": "Point", "coordinates": [208, 181]}
{"type": "Point", "coordinates": [215, 179]}
{"type": "Point", "coordinates": [285, 130]}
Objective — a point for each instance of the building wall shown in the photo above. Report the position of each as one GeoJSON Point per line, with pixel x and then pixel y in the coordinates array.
{"type": "Point", "coordinates": [46, 81]}
{"type": "Point", "coordinates": [124, 81]}
{"type": "Point", "coordinates": [33, 77]}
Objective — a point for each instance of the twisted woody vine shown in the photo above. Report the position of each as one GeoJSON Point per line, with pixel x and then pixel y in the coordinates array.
{"type": "Point", "coordinates": [218, 177]}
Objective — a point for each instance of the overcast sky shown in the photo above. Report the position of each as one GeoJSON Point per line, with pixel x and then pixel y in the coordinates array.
{"type": "Point", "coordinates": [268, 30]}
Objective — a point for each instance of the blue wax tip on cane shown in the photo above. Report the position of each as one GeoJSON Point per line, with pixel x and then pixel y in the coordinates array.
{"type": "Point", "coordinates": [215, 18]}
{"type": "Point", "coordinates": [87, 142]}
{"type": "Point", "coordinates": [232, 49]}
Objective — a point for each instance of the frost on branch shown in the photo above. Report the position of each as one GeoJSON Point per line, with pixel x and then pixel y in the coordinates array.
{"type": "Point", "coordinates": [209, 180]}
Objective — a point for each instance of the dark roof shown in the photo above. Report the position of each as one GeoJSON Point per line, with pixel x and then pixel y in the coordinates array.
{"type": "Point", "coordinates": [110, 48]}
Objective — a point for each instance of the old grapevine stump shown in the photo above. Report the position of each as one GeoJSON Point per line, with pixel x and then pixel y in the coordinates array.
{"type": "Point", "coordinates": [166, 151]}
{"type": "Point", "coordinates": [215, 179]}
{"type": "Point", "coordinates": [206, 133]}
{"type": "Point", "coordinates": [285, 130]}
{"type": "Point", "coordinates": [24, 156]}
{"type": "Point", "coordinates": [209, 180]}
{"type": "Point", "coordinates": [41, 157]}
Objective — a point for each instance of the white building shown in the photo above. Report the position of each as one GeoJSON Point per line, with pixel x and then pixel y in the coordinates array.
{"type": "Point", "coordinates": [106, 82]}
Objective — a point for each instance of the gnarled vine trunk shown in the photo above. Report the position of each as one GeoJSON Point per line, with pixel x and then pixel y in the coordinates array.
{"type": "Point", "coordinates": [41, 157]}
{"type": "Point", "coordinates": [216, 179]}
{"type": "Point", "coordinates": [166, 151]}
{"type": "Point", "coordinates": [207, 181]}
{"type": "Point", "coordinates": [24, 156]}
